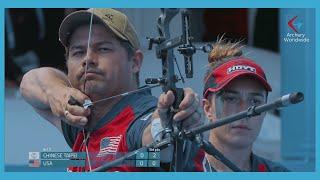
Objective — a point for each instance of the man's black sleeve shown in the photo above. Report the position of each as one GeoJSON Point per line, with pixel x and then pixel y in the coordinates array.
{"type": "Point", "coordinates": [69, 132]}
{"type": "Point", "coordinates": [136, 129]}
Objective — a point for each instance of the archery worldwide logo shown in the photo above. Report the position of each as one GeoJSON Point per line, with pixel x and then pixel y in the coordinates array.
{"type": "Point", "coordinates": [295, 28]}
{"type": "Point", "coordinates": [294, 25]}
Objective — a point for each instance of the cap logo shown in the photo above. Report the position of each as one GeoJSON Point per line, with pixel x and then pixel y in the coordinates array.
{"type": "Point", "coordinates": [109, 17]}
{"type": "Point", "coordinates": [241, 68]}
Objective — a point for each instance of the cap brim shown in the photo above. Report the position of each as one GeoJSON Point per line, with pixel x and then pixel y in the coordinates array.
{"type": "Point", "coordinates": [238, 75]}
{"type": "Point", "coordinates": [78, 18]}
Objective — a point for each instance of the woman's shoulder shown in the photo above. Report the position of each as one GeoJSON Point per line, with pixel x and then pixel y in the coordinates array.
{"type": "Point", "coordinates": [261, 164]}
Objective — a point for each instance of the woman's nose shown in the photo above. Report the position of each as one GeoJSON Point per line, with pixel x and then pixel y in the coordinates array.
{"type": "Point", "coordinates": [243, 105]}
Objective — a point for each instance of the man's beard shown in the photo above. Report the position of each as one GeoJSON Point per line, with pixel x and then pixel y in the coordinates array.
{"type": "Point", "coordinates": [94, 88]}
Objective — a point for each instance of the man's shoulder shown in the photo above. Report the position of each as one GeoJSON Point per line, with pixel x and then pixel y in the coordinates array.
{"type": "Point", "coordinates": [143, 102]}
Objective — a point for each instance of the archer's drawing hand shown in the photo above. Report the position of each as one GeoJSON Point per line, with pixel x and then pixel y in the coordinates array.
{"type": "Point", "coordinates": [75, 115]}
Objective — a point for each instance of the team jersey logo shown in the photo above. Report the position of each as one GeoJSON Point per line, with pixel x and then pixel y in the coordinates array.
{"type": "Point", "coordinates": [109, 145]}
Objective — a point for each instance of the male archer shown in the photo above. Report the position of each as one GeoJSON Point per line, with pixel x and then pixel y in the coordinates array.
{"type": "Point", "coordinates": [103, 59]}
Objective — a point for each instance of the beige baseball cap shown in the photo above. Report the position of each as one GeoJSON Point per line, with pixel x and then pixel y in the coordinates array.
{"type": "Point", "coordinates": [112, 19]}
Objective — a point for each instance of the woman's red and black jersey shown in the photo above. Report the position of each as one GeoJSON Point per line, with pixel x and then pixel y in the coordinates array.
{"type": "Point", "coordinates": [258, 164]}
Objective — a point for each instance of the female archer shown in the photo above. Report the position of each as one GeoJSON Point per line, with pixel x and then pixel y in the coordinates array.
{"type": "Point", "coordinates": [232, 84]}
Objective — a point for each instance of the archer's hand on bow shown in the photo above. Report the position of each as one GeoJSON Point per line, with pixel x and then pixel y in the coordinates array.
{"type": "Point", "coordinates": [189, 112]}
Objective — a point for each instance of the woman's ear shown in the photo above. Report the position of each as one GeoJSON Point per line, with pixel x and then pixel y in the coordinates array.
{"type": "Point", "coordinates": [137, 60]}
{"type": "Point", "coordinates": [263, 115]}
{"type": "Point", "coordinates": [209, 109]}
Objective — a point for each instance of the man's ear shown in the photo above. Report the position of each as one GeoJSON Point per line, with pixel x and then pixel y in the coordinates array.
{"type": "Point", "coordinates": [209, 109]}
{"type": "Point", "coordinates": [137, 61]}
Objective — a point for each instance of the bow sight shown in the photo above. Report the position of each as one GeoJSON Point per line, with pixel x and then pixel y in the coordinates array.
{"type": "Point", "coordinates": [183, 42]}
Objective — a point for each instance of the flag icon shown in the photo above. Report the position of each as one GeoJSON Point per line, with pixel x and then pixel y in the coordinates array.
{"type": "Point", "coordinates": [34, 159]}
{"type": "Point", "coordinates": [34, 163]}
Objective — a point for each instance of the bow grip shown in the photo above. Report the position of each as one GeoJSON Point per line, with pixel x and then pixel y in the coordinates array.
{"type": "Point", "coordinates": [179, 95]}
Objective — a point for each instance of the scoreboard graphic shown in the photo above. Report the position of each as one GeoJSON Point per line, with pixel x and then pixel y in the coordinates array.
{"type": "Point", "coordinates": [47, 159]}
{"type": "Point", "coordinates": [150, 158]}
